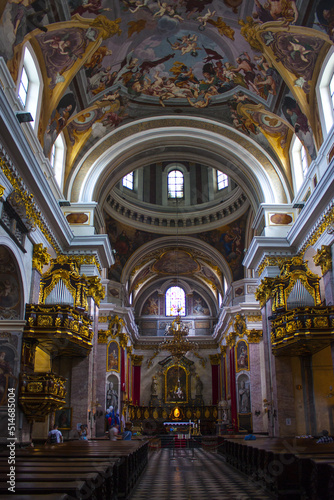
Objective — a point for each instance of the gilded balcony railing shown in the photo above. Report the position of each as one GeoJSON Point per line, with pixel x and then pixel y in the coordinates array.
{"type": "Point", "coordinates": [40, 394]}
{"type": "Point", "coordinates": [59, 329]}
{"type": "Point", "coordinates": [300, 331]}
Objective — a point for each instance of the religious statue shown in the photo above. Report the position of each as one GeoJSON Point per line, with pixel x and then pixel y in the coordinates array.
{"type": "Point", "coordinates": [244, 403]}
{"type": "Point", "coordinates": [112, 397]}
{"type": "Point", "coordinates": [199, 386]}
{"type": "Point", "coordinates": [154, 386]}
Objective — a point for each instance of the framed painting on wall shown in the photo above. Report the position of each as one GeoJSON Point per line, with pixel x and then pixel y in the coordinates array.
{"type": "Point", "coordinates": [63, 419]}
{"type": "Point", "coordinates": [176, 385]}
{"type": "Point", "coordinates": [113, 356]}
{"type": "Point", "coordinates": [241, 355]}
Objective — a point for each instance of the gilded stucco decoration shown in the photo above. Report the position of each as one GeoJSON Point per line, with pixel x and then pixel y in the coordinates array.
{"type": "Point", "coordinates": [40, 257]}
{"type": "Point", "coordinates": [32, 212]}
{"type": "Point", "coordinates": [323, 258]}
{"type": "Point", "coordinates": [136, 360]}
{"type": "Point", "coordinates": [41, 394]}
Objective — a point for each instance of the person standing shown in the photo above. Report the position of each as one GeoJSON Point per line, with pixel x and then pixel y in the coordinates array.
{"type": "Point", "coordinates": [55, 436]}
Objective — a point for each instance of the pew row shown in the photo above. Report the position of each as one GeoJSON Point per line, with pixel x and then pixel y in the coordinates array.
{"type": "Point", "coordinates": [93, 470]}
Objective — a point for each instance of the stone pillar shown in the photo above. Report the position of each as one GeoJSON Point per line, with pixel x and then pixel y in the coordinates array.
{"type": "Point", "coordinates": [255, 364]}
{"type": "Point", "coordinates": [136, 378]}
{"type": "Point", "coordinates": [215, 365]}
{"type": "Point", "coordinates": [101, 365]}
{"type": "Point", "coordinates": [234, 405]}
{"type": "Point", "coordinates": [308, 394]}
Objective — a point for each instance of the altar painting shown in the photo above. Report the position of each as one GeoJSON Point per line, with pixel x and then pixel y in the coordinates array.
{"type": "Point", "coordinates": [176, 385]}
{"type": "Point", "coordinates": [113, 356]}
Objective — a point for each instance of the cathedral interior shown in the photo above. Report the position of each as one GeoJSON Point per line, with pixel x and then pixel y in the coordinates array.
{"type": "Point", "coordinates": [166, 216]}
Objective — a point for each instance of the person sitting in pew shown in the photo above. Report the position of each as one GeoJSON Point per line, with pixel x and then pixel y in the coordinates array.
{"type": "Point", "coordinates": [127, 433]}
{"type": "Point", "coordinates": [55, 436]}
{"type": "Point", "coordinates": [325, 438]}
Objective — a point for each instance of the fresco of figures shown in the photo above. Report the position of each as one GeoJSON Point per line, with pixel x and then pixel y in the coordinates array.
{"type": "Point", "coordinates": [133, 53]}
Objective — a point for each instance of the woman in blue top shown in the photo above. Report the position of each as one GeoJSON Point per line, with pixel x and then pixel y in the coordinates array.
{"type": "Point", "coordinates": [127, 433]}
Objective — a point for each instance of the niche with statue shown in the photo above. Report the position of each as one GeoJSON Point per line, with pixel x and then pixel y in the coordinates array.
{"type": "Point", "coordinates": [112, 392]}
{"type": "Point", "coordinates": [244, 403]}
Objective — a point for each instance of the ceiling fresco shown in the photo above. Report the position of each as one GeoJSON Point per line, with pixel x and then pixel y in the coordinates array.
{"type": "Point", "coordinates": [107, 62]}
{"type": "Point", "coordinates": [249, 67]}
{"type": "Point", "coordinates": [228, 241]}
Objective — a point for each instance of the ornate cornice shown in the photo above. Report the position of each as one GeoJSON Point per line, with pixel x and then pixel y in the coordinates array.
{"type": "Point", "coordinates": [325, 223]}
{"type": "Point", "coordinates": [33, 213]}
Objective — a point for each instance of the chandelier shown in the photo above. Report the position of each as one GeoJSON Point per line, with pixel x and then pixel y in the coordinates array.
{"type": "Point", "coordinates": [176, 342]}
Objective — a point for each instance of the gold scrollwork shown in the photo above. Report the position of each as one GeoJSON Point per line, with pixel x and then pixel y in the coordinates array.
{"type": "Point", "coordinates": [291, 327]}
{"type": "Point", "coordinates": [215, 359]}
{"type": "Point", "coordinates": [321, 322]}
{"type": "Point", "coordinates": [40, 257]}
{"type": "Point", "coordinates": [323, 258]}
{"type": "Point", "coordinates": [35, 387]}
{"type": "Point", "coordinates": [136, 360]}
{"type": "Point", "coordinates": [44, 321]}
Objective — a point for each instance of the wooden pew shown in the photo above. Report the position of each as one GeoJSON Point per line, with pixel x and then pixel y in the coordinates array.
{"type": "Point", "coordinates": [288, 468]}
{"type": "Point", "coordinates": [116, 465]}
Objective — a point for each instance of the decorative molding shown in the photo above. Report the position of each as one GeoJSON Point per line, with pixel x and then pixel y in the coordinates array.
{"type": "Point", "coordinates": [32, 211]}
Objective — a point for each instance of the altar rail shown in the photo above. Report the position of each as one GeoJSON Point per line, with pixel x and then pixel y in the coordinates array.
{"type": "Point", "coordinates": [151, 419]}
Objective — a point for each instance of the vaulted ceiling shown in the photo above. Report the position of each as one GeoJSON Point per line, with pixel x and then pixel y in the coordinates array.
{"type": "Point", "coordinates": [226, 83]}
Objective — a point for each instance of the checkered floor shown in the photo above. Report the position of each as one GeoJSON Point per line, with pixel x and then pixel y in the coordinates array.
{"type": "Point", "coordinates": [193, 475]}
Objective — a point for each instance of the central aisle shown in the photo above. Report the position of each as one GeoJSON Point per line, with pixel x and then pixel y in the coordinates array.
{"type": "Point", "coordinates": [188, 476]}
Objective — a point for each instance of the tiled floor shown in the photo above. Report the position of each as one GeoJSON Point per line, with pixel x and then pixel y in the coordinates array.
{"type": "Point", "coordinates": [193, 475]}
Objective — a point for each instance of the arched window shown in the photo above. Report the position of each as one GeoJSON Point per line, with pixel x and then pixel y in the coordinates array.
{"type": "Point", "coordinates": [175, 301]}
{"type": "Point", "coordinates": [127, 181]}
{"type": "Point", "coordinates": [57, 159]}
{"type": "Point", "coordinates": [299, 162]}
{"type": "Point", "coordinates": [29, 87]}
{"type": "Point", "coordinates": [222, 180]}
{"type": "Point", "coordinates": [175, 182]}
{"type": "Point", "coordinates": [325, 93]}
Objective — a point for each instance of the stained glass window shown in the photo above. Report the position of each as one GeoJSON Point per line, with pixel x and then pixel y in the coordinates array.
{"type": "Point", "coordinates": [175, 301]}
